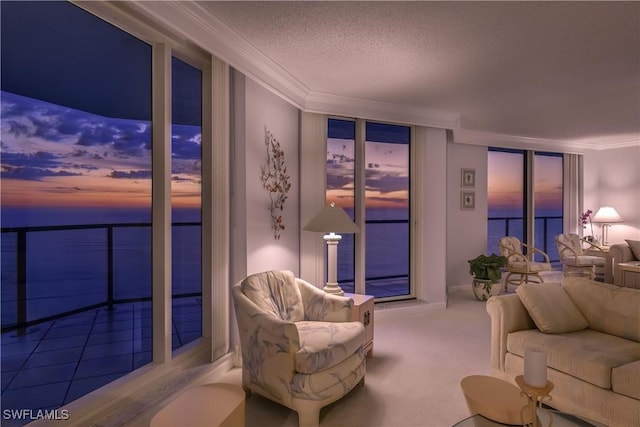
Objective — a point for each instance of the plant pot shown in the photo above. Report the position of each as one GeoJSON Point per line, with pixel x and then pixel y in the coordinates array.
{"type": "Point", "coordinates": [483, 289]}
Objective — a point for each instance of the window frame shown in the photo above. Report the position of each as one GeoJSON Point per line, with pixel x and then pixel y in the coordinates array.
{"type": "Point", "coordinates": [528, 185]}
{"type": "Point", "coordinates": [360, 202]}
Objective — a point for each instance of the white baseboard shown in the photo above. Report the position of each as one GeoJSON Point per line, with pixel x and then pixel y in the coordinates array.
{"type": "Point", "coordinates": [383, 311]}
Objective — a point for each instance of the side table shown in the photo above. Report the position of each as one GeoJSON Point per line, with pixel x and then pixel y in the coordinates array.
{"type": "Point", "coordinates": [630, 273]}
{"type": "Point", "coordinates": [608, 261]}
{"type": "Point", "coordinates": [363, 312]}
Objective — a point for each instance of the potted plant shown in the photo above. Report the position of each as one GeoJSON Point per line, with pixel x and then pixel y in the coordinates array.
{"type": "Point", "coordinates": [486, 271]}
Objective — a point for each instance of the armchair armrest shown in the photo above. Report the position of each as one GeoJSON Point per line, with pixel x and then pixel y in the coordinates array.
{"type": "Point", "coordinates": [507, 315]}
{"type": "Point", "coordinates": [269, 346]}
{"type": "Point", "coordinates": [593, 246]}
{"type": "Point", "coordinates": [563, 248]}
{"type": "Point", "coordinates": [321, 306]}
{"type": "Point", "coordinates": [531, 249]}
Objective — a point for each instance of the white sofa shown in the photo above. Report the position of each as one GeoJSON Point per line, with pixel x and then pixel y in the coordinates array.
{"type": "Point", "coordinates": [591, 332]}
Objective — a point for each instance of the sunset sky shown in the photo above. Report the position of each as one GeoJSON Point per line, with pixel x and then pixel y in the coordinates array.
{"type": "Point", "coordinates": [505, 181]}
{"type": "Point", "coordinates": [387, 178]}
{"type": "Point", "coordinates": [58, 156]}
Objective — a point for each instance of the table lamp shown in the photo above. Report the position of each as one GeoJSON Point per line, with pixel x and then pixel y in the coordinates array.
{"type": "Point", "coordinates": [606, 215]}
{"type": "Point", "coordinates": [331, 220]}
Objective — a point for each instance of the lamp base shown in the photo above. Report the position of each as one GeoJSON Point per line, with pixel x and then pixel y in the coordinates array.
{"type": "Point", "coordinates": [333, 288]}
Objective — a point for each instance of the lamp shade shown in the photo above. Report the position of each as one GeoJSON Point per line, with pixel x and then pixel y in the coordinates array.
{"type": "Point", "coordinates": [332, 219]}
{"type": "Point", "coordinates": [607, 214]}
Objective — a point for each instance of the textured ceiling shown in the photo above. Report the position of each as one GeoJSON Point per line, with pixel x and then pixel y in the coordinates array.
{"type": "Point", "coordinates": [547, 70]}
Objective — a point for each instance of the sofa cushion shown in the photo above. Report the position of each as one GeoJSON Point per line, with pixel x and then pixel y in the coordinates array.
{"type": "Point", "coordinates": [607, 308]}
{"type": "Point", "coordinates": [325, 344]}
{"type": "Point", "coordinates": [275, 292]}
{"type": "Point", "coordinates": [550, 307]}
{"type": "Point", "coordinates": [634, 245]}
{"type": "Point", "coordinates": [625, 379]}
{"type": "Point", "coordinates": [588, 355]}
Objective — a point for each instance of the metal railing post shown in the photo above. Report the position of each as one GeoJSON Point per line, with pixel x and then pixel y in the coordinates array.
{"type": "Point", "coordinates": [21, 281]}
{"type": "Point", "coordinates": [110, 299]}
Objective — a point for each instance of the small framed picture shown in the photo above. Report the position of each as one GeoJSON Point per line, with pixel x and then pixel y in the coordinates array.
{"type": "Point", "coordinates": [468, 178]}
{"type": "Point", "coordinates": [467, 200]}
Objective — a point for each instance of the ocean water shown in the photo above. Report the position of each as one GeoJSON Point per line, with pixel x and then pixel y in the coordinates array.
{"type": "Point", "coordinates": [68, 269]}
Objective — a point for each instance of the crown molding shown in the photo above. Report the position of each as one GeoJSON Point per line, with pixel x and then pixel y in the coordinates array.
{"type": "Point", "coordinates": [193, 22]}
{"type": "Point", "coordinates": [607, 142]}
{"type": "Point", "coordinates": [475, 137]}
{"type": "Point", "coordinates": [330, 104]}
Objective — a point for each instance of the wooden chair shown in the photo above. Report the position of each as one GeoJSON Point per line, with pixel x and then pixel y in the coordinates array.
{"type": "Point", "coordinates": [519, 263]}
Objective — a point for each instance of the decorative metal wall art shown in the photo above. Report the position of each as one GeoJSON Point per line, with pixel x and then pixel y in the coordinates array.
{"type": "Point", "coordinates": [276, 181]}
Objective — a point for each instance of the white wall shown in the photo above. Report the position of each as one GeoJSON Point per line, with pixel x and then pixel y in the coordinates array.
{"type": "Point", "coordinates": [466, 229]}
{"type": "Point", "coordinates": [612, 177]}
{"type": "Point", "coordinates": [429, 266]}
{"type": "Point", "coordinates": [255, 109]}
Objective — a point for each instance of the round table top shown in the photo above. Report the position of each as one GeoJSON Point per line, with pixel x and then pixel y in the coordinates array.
{"type": "Point", "coordinates": [495, 399]}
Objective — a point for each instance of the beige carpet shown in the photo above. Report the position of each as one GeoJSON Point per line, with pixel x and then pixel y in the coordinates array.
{"type": "Point", "coordinates": [413, 378]}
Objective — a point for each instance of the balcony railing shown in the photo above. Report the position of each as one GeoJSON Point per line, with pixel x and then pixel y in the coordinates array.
{"type": "Point", "coordinates": [547, 228]}
{"type": "Point", "coordinates": [22, 318]}
{"type": "Point", "coordinates": [388, 282]}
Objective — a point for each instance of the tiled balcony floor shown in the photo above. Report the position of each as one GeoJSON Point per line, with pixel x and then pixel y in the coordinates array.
{"type": "Point", "coordinates": [56, 362]}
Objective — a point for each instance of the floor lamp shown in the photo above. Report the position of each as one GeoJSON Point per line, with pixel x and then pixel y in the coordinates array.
{"type": "Point", "coordinates": [331, 220]}
{"type": "Point", "coordinates": [606, 215]}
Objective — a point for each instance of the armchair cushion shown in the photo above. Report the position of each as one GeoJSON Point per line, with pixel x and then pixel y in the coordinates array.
{"type": "Point", "coordinates": [325, 344]}
{"type": "Point", "coordinates": [529, 266]}
{"type": "Point", "coordinates": [337, 380]}
{"type": "Point", "coordinates": [513, 250]}
{"type": "Point", "coordinates": [551, 309]}
{"type": "Point", "coordinates": [570, 245]}
{"type": "Point", "coordinates": [585, 260]}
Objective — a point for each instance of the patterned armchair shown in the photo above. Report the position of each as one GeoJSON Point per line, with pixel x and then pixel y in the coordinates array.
{"type": "Point", "coordinates": [575, 261]}
{"type": "Point", "coordinates": [519, 262]}
{"type": "Point", "coordinates": [299, 345]}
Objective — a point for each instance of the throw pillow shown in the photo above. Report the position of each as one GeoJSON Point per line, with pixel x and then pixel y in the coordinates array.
{"type": "Point", "coordinates": [551, 309]}
{"type": "Point", "coordinates": [634, 245]}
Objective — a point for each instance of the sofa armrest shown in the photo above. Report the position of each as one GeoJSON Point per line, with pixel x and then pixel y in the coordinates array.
{"type": "Point", "coordinates": [321, 306]}
{"type": "Point", "coordinates": [620, 252]}
{"type": "Point", "coordinates": [507, 315]}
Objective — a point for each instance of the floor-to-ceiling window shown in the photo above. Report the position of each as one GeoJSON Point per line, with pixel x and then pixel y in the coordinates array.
{"type": "Point", "coordinates": [508, 175]}
{"type": "Point", "coordinates": [341, 136]}
{"type": "Point", "coordinates": [76, 212]}
{"type": "Point", "coordinates": [505, 196]}
{"type": "Point", "coordinates": [186, 177]}
{"type": "Point", "coordinates": [385, 203]}
{"type": "Point", "coordinates": [547, 202]}
{"type": "Point", "coordinates": [387, 209]}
